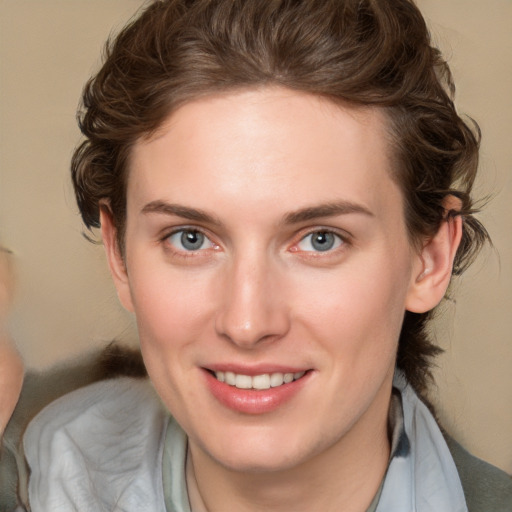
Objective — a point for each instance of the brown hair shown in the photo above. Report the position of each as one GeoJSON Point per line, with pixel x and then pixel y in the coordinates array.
{"type": "Point", "coordinates": [364, 52]}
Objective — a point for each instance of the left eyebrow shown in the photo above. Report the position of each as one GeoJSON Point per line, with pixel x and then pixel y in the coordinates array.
{"type": "Point", "coordinates": [326, 210]}
{"type": "Point", "coordinates": [193, 214]}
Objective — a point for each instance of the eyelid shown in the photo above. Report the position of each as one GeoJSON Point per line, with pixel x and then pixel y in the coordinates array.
{"type": "Point", "coordinates": [164, 238]}
{"type": "Point", "coordinates": [343, 235]}
{"type": "Point", "coordinates": [172, 230]}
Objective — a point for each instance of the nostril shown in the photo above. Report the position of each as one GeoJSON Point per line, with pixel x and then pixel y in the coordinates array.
{"type": "Point", "coordinates": [247, 327]}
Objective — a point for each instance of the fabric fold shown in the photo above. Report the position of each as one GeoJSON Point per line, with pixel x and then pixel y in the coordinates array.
{"type": "Point", "coordinates": [111, 447]}
{"type": "Point", "coordinates": [425, 478]}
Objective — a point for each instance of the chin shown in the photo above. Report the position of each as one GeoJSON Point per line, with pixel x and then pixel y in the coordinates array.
{"type": "Point", "coordinates": [260, 452]}
{"type": "Point", "coordinates": [260, 463]}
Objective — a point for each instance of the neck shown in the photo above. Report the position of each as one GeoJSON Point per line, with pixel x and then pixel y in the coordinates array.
{"type": "Point", "coordinates": [344, 477]}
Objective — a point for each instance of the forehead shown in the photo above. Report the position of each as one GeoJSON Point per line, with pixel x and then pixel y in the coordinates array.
{"type": "Point", "coordinates": [265, 145]}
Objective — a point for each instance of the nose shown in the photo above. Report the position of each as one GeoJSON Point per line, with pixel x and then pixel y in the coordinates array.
{"type": "Point", "coordinates": [253, 308]}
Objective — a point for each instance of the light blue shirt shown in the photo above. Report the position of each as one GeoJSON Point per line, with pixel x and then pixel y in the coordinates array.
{"type": "Point", "coordinates": [112, 447]}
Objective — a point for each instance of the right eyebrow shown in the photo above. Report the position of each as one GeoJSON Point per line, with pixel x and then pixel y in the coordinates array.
{"type": "Point", "coordinates": [178, 210]}
{"type": "Point", "coordinates": [326, 210]}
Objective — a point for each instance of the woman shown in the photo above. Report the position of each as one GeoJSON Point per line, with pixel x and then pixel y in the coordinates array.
{"type": "Point", "coordinates": [284, 192]}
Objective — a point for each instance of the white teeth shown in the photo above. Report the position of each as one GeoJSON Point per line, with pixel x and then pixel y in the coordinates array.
{"type": "Point", "coordinates": [263, 381]}
{"type": "Point", "coordinates": [276, 379]}
{"type": "Point", "coordinates": [243, 382]}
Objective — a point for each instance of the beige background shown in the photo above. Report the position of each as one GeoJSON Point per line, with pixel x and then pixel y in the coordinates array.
{"type": "Point", "coordinates": [66, 303]}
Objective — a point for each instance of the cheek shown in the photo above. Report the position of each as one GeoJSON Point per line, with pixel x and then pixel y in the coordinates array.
{"type": "Point", "coordinates": [357, 308]}
{"type": "Point", "coordinates": [172, 312]}
{"type": "Point", "coordinates": [172, 308]}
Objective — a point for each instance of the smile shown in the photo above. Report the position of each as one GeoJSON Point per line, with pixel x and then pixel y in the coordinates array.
{"type": "Point", "coordinates": [258, 382]}
{"type": "Point", "coordinates": [252, 391]}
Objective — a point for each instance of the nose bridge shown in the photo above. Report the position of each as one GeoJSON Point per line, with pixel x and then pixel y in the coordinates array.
{"type": "Point", "coordinates": [252, 309]}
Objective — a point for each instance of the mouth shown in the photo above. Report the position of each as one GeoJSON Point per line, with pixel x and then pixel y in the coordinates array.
{"type": "Point", "coordinates": [259, 382]}
{"type": "Point", "coordinates": [252, 391]}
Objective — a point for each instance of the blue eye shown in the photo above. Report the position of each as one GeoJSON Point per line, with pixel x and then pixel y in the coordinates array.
{"type": "Point", "coordinates": [320, 241]}
{"type": "Point", "coordinates": [189, 240]}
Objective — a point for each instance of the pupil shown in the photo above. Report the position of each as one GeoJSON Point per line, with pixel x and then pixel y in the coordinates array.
{"type": "Point", "coordinates": [323, 241]}
{"type": "Point", "coordinates": [192, 240]}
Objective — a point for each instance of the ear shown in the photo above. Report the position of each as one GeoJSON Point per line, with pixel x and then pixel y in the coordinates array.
{"type": "Point", "coordinates": [115, 260]}
{"type": "Point", "coordinates": [433, 267]}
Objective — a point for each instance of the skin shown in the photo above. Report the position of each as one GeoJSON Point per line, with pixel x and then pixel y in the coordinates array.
{"type": "Point", "coordinates": [258, 292]}
{"type": "Point", "coordinates": [11, 366]}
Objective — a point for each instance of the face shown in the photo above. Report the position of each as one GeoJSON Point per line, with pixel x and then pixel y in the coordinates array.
{"type": "Point", "coordinates": [269, 268]}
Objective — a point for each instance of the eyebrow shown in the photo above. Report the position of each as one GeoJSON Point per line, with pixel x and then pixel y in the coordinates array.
{"type": "Point", "coordinates": [296, 217]}
{"type": "Point", "coordinates": [178, 210]}
{"type": "Point", "coordinates": [326, 210]}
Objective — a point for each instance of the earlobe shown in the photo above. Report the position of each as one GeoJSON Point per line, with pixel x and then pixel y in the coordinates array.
{"type": "Point", "coordinates": [433, 270]}
{"type": "Point", "coordinates": [115, 260]}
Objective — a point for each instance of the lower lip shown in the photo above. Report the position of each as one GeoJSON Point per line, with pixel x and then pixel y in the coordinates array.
{"type": "Point", "coordinates": [251, 401]}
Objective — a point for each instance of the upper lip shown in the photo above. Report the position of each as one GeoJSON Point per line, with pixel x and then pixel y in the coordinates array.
{"type": "Point", "coordinates": [255, 369]}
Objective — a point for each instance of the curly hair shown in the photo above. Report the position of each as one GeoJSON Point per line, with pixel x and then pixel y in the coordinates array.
{"type": "Point", "coordinates": [362, 52]}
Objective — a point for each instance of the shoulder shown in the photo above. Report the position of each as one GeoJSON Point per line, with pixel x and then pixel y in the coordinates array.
{"type": "Point", "coordinates": [98, 409]}
{"type": "Point", "coordinates": [97, 448]}
{"type": "Point", "coordinates": [487, 488]}
{"type": "Point", "coordinates": [40, 388]}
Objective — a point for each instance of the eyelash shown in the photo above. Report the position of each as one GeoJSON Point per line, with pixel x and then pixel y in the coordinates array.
{"type": "Point", "coordinates": [341, 241]}
{"type": "Point", "coordinates": [183, 253]}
